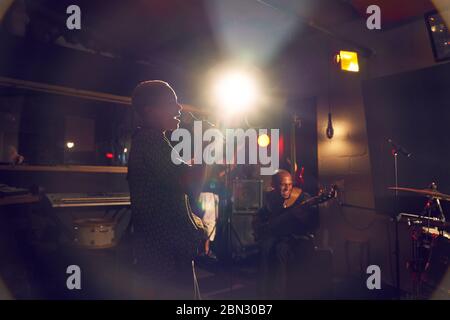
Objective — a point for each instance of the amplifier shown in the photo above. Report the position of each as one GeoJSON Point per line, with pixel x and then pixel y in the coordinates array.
{"type": "Point", "coordinates": [247, 196]}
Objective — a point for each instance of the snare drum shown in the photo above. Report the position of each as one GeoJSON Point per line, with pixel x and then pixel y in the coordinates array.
{"type": "Point", "coordinates": [94, 233]}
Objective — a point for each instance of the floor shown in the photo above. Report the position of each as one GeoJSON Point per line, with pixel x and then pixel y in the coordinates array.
{"type": "Point", "coordinates": [240, 282]}
{"type": "Point", "coordinates": [104, 278]}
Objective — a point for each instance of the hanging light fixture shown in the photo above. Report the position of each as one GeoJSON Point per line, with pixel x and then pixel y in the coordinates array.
{"type": "Point", "coordinates": [330, 129]}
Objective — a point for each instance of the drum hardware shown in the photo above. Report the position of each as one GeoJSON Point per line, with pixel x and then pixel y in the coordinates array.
{"type": "Point", "coordinates": [417, 218]}
{"type": "Point", "coordinates": [428, 232]}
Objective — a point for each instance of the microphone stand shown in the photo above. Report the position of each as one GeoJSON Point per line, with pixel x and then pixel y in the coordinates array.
{"type": "Point", "coordinates": [396, 150]}
{"type": "Point", "coordinates": [228, 223]}
{"type": "Point", "coordinates": [396, 209]}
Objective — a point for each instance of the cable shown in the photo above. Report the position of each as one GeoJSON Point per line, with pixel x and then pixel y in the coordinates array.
{"type": "Point", "coordinates": [197, 295]}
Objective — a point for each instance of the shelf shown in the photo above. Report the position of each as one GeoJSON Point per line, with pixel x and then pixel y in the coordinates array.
{"type": "Point", "coordinates": [22, 199]}
{"type": "Point", "coordinates": [73, 92]}
{"type": "Point", "coordinates": [65, 168]}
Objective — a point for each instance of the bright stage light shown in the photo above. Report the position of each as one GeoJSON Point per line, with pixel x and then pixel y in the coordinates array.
{"type": "Point", "coordinates": [263, 140]}
{"type": "Point", "coordinates": [235, 91]}
{"type": "Point", "coordinates": [70, 144]}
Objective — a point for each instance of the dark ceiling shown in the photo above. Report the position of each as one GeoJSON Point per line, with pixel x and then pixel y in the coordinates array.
{"type": "Point", "coordinates": [395, 12]}
{"type": "Point", "coordinates": [182, 29]}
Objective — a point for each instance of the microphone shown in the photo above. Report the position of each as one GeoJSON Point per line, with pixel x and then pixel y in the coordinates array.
{"type": "Point", "coordinates": [193, 118]}
{"type": "Point", "coordinates": [399, 148]}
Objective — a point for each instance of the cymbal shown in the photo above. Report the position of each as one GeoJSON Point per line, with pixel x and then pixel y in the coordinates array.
{"type": "Point", "coordinates": [424, 192]}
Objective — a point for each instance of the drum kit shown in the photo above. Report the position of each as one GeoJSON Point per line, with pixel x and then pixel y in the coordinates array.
{"type": "Point", "coordinates": [430, 235]}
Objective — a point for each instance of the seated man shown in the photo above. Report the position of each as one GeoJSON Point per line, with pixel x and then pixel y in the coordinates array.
{"type": "Point", "coordinates": [284, 231]}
